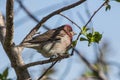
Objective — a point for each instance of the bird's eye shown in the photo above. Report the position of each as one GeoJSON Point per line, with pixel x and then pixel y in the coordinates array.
{"type": "Point", "coordinates": [70, 29]}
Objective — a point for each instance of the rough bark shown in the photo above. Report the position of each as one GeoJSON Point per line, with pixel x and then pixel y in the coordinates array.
{"type": "Point", "coordinates": [6, 37]}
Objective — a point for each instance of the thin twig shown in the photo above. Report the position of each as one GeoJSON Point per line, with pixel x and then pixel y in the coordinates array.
{"type": "Point", "coordinates": [101, 76]}
{"type": "Point", "coordinates": [33, 31]}
{"type": "Point", "coordinates": [77, 26]}
{"type": "Point", "coordinates": [89, 22]}
{"type": "Point", "coordinates": [45, 61]}
{"type": "Point", "coordinates": [101, 64]}
{"type": "Point", "coordinates": [47, 70]}
{"type": "Point", "coordinates": [70, 20]}
{"type": "Point", "coordinates": [30, 14]}
{"type": "Point", "coordinates": [91, 66]}
{"type": "Point", "coordinates": [72, 52]}
{"type": "Point", "coordinates": [95, 13]}
{"type": "Point", "coordinates": [86, 61]}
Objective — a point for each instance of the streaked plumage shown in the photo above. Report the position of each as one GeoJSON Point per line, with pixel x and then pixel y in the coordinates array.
{"type": "Point", "coordinates": [54, 42]}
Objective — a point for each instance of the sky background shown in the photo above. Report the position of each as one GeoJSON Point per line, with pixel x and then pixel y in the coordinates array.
{"type": "Point", "coordinates": [106, 22]}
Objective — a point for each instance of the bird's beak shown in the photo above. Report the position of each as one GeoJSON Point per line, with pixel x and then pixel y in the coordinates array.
{"type": "Point", "coordinates": [73, 33]}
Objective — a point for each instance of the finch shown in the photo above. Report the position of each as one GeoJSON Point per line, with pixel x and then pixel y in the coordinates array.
{"type": "Point", "coordinates": [54, 42]}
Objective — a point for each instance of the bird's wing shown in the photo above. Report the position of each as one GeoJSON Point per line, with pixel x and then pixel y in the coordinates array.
{"type": "Point", "coordinates": [50, 35]}
{"type": "Point", "coordinates": [42, 37]}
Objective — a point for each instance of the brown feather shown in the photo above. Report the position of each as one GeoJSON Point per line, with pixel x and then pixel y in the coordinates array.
{"type": "Point", "coordinates": [47, 36]}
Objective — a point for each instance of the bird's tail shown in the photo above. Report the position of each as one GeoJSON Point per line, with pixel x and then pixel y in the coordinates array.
{"type": "Point", "coordinates": [28, 45]}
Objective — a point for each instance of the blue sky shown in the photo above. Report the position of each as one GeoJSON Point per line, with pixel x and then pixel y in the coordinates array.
{"type": "Point", "coordinates": [107, 23]}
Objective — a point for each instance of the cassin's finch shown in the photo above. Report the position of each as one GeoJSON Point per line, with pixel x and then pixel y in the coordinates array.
{"type": "Point", "coordinates": [54, 42]}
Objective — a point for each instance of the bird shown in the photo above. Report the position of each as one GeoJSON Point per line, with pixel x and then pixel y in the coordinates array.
{"type": "Point", "coordinates": [54, 42]}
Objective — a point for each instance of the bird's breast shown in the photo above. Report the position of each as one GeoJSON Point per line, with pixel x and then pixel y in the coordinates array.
{"type": "Point", "coordinates": [56, 47]}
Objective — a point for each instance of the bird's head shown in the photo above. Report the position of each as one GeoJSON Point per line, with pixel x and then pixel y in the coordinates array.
{"type": "Point", "coordinates": [68, 29]}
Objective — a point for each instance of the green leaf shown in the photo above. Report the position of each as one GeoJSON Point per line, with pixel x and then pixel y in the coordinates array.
{"type": "Point", "coordinates": [90, 74]}
{"type": "Point", "coordinates": [117, 0]}
{"type": "Point", "coordinates": [97, 37]}
{"type": "Point", "coordinates": [93, 37]}
{"type": "Point", "coordinates": [89, 36]}
{"type": "Point", "coordinates": [74, 43]}
{"type": "Point", "coordinates": [83, 39]}
{"type": "Point", "coordinates": [84, 30]}
{"type": "Point", "coordinates": [5, 73]}
{"type": "Point", "coordinates": [1, 76]}
{"type": "Point", "coordinates": [108, 7]}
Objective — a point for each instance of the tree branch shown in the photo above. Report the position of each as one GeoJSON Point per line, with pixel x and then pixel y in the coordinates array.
{"type": "Point", "coordinates": [33, 31]}
{"type": "Point", "coordinates": [30, 14]}
{"type": "Point", "coordinates": [89, 22]}
{"type": "Point", "coordinates": [2, 29]}
{"type": "Point", "coordinates": [9, 24]}
{"type": "Point", "coordinates": [95, 13]}
{"type": "Point", "coordinates": [70, 20]}
{"type": "Point", "coordinates": [13, 52]}
{"type": "Point", "coordinates": [87, 63]}
{"type": "Point", "coordinates": [101, 76]}
{"type": "Point", "coordinates": [45, 61]}
{"type": "Point", "coordinates": [47, 70]}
